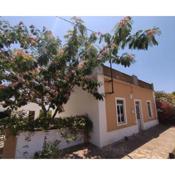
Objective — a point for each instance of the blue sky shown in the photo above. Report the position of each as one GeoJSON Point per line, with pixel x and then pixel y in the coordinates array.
{"type": "Point", "coordinates": [157, 65]}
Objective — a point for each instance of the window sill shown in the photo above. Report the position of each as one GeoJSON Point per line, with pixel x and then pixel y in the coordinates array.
{"type": "Point", "coordinates": [121, 124]}
{"type": "Point", "coordinates": [151, 118]}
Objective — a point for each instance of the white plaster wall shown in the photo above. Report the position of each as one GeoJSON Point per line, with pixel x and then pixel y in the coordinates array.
{"type": "Point", "coordinates": [150, 124]}
{"type": "Point", "coordinates": [31, 107]}
{"type": "Point", "coordinates": [102, 112]}
{"type": "Point", "coordinates": [114, 136]}
{"type": "Point", "coordinates": [28, 143]}
{"type": "Point", "coordinates": [1, 108]}
{"type": "Point", "coordinates": [81, 102]}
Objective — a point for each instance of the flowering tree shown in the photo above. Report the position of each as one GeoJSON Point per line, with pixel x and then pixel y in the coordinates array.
{"type": "Point", "coordinates": [162, 96]}
{"type": "Point", "coordinates": [166, 106]}
{"type": "Point", "coordinates": [35, 66]}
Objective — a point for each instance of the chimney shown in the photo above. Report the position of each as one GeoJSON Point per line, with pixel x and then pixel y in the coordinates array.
{"type": "Point", "coordinates": [152, 85]}
{"type": "Point", "coordinates": [135, 79]}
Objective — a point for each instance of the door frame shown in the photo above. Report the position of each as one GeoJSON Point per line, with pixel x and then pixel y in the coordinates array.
{"type": "Point", "coordinates": [141, 112]}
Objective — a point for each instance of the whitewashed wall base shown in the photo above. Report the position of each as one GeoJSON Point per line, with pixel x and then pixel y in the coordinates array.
{"type": "Point", "coordinates": [114, 136]}
{"type": "Point", "coordinates": [28, 143]}
{"type": "Point", "coordinates": [150, 124]}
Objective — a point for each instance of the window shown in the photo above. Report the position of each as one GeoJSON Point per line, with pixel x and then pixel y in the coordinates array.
{"type": "Point", "coordinates": [149, 109]}
{"type": "Point", "coordinates": [120, 105]}
{"type": "Point", "coordinates": [31, 114]}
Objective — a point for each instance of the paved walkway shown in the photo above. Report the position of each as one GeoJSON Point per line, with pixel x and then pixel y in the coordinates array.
{"type": "Point", "coordinates": [154, 143]}
{"type": "Point", "coordinates": [156, 148]}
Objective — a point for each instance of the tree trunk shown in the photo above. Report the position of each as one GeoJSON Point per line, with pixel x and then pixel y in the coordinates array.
{"type": "Point", "coordinates": [44, 110]}
{"type": "Point", "coordinates": [55, 112]}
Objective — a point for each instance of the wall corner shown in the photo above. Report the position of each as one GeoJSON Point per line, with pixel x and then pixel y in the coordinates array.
{"type": "Point", "coordinates": [102, 109]}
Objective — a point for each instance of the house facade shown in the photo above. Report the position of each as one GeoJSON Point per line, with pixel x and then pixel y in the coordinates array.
{"type": "Point", "coordinates": [128, 108]}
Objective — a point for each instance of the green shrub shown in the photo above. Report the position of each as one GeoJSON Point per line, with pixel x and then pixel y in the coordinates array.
{"type": "Point", "coordinates": [49, 151]}
{"type": "Point", "coordinates": [69, 127]}
{"type": "Point", "coordinates": [41, 114]}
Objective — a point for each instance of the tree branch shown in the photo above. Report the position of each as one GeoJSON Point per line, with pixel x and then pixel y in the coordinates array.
{"type": "Point", "coordinates": [55, 112]}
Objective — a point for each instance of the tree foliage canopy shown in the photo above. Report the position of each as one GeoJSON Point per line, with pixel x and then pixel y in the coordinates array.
{"type": "Point", "coordinates": [35, 66]}
{"type": "Point", "coordinates": [162, 96]}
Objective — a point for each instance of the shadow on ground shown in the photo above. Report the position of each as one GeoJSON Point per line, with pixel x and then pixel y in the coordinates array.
{"type": "Point", "coordinates": [116, 150]}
